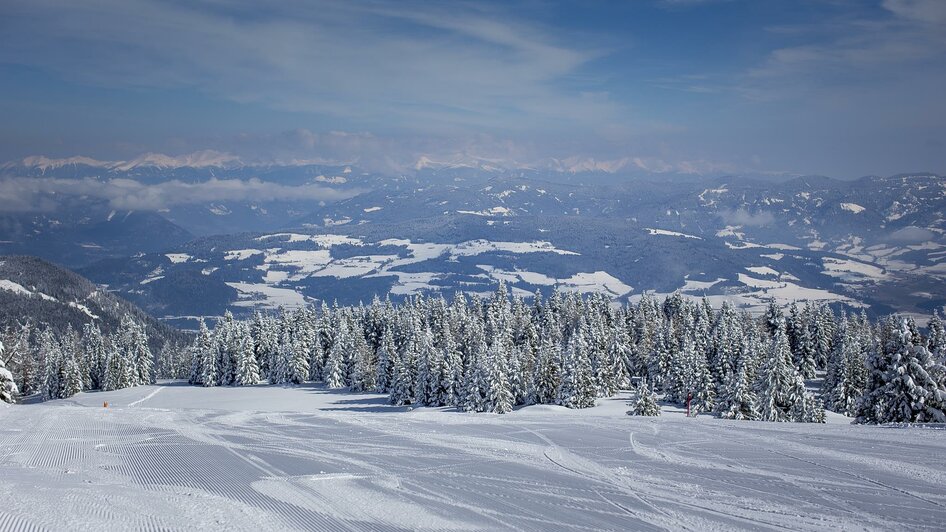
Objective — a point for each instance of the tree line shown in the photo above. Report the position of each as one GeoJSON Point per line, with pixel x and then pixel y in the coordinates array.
{"type": "Point", "coordinates": [56, 365]}
{"type": "Point", "coordinates": [493, 354]}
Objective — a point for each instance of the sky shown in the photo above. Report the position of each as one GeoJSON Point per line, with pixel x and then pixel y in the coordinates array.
{"type": "Point", "coordinates": [830, 87]}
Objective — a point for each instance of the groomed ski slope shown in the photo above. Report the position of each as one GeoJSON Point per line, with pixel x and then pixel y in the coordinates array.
{"type": "Point", "coordinates": [181, 457]}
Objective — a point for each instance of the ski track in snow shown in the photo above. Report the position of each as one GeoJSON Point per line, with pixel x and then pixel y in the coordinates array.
{"type": "Point", "coordinates": [289, 458]}
{"type": "Point", "coordinates": [145, 398]}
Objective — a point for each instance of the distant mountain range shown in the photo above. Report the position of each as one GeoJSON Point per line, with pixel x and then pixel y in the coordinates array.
{"type": "Point", "coordinates": [462, 224]}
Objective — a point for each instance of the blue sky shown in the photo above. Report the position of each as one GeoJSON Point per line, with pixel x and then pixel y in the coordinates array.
{"type": "Point", "coordinates": [834, 87]}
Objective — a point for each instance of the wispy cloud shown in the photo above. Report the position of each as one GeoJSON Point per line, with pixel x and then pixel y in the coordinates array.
{"type": "Point", "coordinates": [405, 64]}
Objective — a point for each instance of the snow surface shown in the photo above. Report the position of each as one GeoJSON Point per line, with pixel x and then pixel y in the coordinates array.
{"type": "Point", "coordinates": [178, 258]}
{"type": "Point", "coordinates": [665, 232]}
{"type": "Point", "coordinates": [492, 211]}
{"type": "Point", "coordinates": [853, 207]}
{"type": "Point", "coordinates": [265, 296]}
{"type": "Point", "coordinates": [16, 288]}
{"type": "Point", "coordinates": [271, 458]}
{"type": "Point", "coordinates": [762, 270]}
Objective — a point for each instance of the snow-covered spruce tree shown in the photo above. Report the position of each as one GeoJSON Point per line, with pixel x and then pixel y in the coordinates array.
{"type": "Point", "coordinates": [643, 401]}
{"type": "Point", "coordinates": [335, 364]}
{"type": "Point", "coordinates": [403, 388]}
{"type": "Point", "coordinates": [737, 399]}
{"type": "Point", "coordinates": [228, 349]}
{"type": "Point", "coordinates": [265, 344]}
{"type": "Point", "coordinates": [724, 347]}
{"type": "Point", "coordinates": [499, 396]}
{"type": "Point", "coordinates": [248, 373]}
{"type": "Point", "coordinates": [385, 354]}
{"type": "Point", "coordinates": [577, 388]}
{"type": "Point", "coordinates": [823, 327]}
{"type": "Point", "coordinates": [936, 342]}
{"type": "Point", "coordinates": [428, 369]}
{"type": "Point", "coordinates": [141, 355]}
{"type": "Point", "coordinates": [71, 376]}
{"type": "Point", "coordinates": [475, 385]}
{"type": "Point", "coordinates": [688, 372]}
{"type": "Point", "coordinates": [806, 408]}
{"type": "Point", "coordinates": [8, 388]}
{"type": "Point", "coordinates": [780, 388]}
{"type": "Point", "coordinates": [71, 343]}
{"type": "Point", "coordinates": [662, 351]}
{"type": "Point", "coordinates": [905, 382]}
{"type": "Point", "coordinates": [773, 319]}
{"type": "Point", "coordinates": [452, 375]}
{"type": "Point", "coordinates": [316, 357]}
{"type": "Point", "coordinates": [204, 356]}
{"type": "Point", "coordinates": [21, 360]}
{"type": "Point", "coordinates": [846, 375]}
{"type": "Point", "coordinates": [547, 376]}
{"type": "Point", "coordinates": [365, 369]}
{"type": "Point", "coordinates": [51, 353]}
{"type": "Point", "coordinates": [298, 369]}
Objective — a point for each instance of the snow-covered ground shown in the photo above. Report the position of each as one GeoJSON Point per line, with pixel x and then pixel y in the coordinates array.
{"type": "Point", "coordinates": [174, 456]}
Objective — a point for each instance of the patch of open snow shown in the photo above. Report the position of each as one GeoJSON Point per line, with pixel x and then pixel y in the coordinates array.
{"type": "Point", "coordinates": [693, 286]}
{"type": "Point", "coordinates": [853, 207]}
{"type": "Point", "coordinates": [17, 288]}
{"type": "Point", "coordinates": [83, 308]}
{"type": "Point", "coordinates": [330, 222]}
{"type": "Point", "coordinates": [334, 180]}
{"type": "Point", "coordinates": [665, 232]}
{"type": "Point", "coordinates": [493, 211]}
{"type": "Point", "coordinates": [178, 258]}
{"type": "Point", "coordinates": [263, 295]}
{"type": "Point", "coordinates": [372, 209]}
{"type": "Point", "coordinates": [241, 254]}
{"type": "Point", "coordinates": [599, 281]}
{"type": "Point", "coordinates": [851, 270]}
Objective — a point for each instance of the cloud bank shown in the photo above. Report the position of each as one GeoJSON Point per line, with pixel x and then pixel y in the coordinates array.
{"type": "Point", "coordinates": [41, 194]}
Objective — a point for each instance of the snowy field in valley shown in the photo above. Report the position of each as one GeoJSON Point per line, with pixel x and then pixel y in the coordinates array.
{"type": "Point", "coordinates": [181, 457]}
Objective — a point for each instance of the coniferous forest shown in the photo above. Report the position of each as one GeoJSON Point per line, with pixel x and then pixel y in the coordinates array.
{"type": "Point", "coordinates": [494, 354]}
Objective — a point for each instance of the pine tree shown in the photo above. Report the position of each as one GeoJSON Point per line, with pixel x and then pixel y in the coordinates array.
{"type": "Point", "coordinates": [248, 373]}
{"type": "Point", "coordinates": [780, 387]}
{"type": "Point", "coordinates": [499, 396]}
{"type": "Point", "coordinates": [316, 359]}
{"type": "Point", "coordinates": [335, 364]}
{"type": "Point", "coordinates": [844, 382]}
{"type": "Point", "coordinates": [385, 354]}
{"type": "Point", "coordinates": [643, 401]}
{"type": "Point", "coordinates": [737, 399]}
{"type": "Point", "coordinates": [71, 376]}
{"type": "Point", "coordinates": [52, 355]}
{"type": "Point", "coordinates": [141, 355]}
{"type": "Point", "coordinates": [298, 368]}
{"type": "Point", "coordinates": [548, 372]}
{"type": "Point", "coordinates": [21, 361]}
{"type": "Point", "coordinates": [577, 388]}
{"type": "Point", "coordinates": [475, 382]}
{"type": "Point", "coordinates": [204, 367]}
{"type": "Point", "coordinates": [905, 383]}
{"type": "Point", "coordinates": [937, 339]}
{"type": "Point", "coordinates": [403, 388]}
{"type": "Point", "coordinates": [8, 388]}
